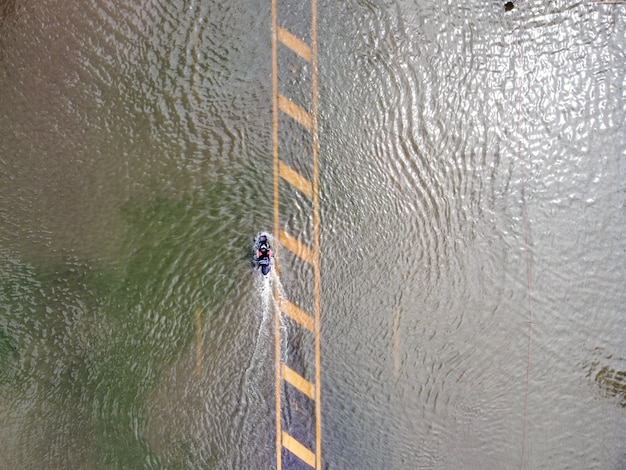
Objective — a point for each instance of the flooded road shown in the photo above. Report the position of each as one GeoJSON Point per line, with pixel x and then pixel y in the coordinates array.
{"type": "Point", "coordinates": [473, 211]}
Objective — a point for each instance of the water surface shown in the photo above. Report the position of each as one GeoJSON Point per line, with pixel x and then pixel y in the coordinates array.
{"type": "Point", "coordinates": [472, 168]}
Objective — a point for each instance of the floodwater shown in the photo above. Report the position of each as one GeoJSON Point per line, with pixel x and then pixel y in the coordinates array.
{"type": "Point", "coordinates": [473, 221]}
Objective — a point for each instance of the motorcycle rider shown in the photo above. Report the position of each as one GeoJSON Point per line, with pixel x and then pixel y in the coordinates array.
{"type": "Point", "coordinates": [263, 253]}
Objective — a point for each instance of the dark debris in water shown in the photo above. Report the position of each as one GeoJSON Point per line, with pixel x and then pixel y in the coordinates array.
{"type": "Point", "coordinates": [508, 6]}
{"type": "Point", "coordinates": [611, 381]}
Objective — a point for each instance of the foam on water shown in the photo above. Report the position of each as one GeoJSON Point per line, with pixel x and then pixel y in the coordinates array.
{"type": "Point", "coordinates": [261, 357]}
{"type": "Point", "coordinates": [263, 287]}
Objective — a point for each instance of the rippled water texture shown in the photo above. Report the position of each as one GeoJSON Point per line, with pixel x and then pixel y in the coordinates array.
{"type": "Point", "coordinates": [489, 168]}
{"type": "Point", "coordinates": [473, 211]}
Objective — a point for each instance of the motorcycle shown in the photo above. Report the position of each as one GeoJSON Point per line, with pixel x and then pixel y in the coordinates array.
{"type": "Point", "coordinates": [263, 254]}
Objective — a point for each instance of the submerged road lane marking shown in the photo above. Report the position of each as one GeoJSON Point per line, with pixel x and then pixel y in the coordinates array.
{"type": "Point", "coordinates": [397, 362]}
{"type": "Point", "coordinates": [309, 254]}
{"type": "Point", "coordinates": [299, 382]}
{"type": "Point", "coordinates": [316, 240]}
{"type": "Point", "coordinates": [298, 450]}
{"type": "Point", "coordinates": [295, 179]}
{"type": "Point", "coordinates": [296, 314]}
{"type": "Point", "coordinates": [277, 378]}
{"type": "Point", "coordinates": [198, 341]}
{"type": "Point", "coordinates": [294, 245]}
{"type": "Point", "coordinates": [293, 43]}
{"type": "Point", "coordinates": [295, 112]}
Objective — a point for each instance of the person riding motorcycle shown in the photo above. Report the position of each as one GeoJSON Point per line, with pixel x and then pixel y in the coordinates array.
{"type": "Point", "coordinates": [263, 253]}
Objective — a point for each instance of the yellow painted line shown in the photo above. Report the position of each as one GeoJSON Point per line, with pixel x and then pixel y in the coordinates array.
{"type": "Point", "coordinates": [311, 255]}
{"type": "Point", "coordinates": [298, 450]}
{"type": "Point", "coordinates": [294, 111]}
{"type": "Point", "coordinates": [316, 238]}
{"type": "Point", "coordinates": [296, 314]}
{"type": "Point", "coordinates": [277, 380]}
{"type": "Point", "coordinates": [198, 341]}
{"type": "Point", "coordinates": [293, 245]}
{"type": "Point", "coordinates": [295, 179]}
{"type": "Point", "coordinates": [294, 44]}
{"type": "Point", "coordinates": [396, 341]}
{"type": "Point", "coordinates": [295, 379]}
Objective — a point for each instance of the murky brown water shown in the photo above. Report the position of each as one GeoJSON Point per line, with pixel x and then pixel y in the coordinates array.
{"type": "Point", "coordinates": [472, 173]}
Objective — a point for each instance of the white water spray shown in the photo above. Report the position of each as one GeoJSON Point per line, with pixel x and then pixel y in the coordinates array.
{"type": "Point", "coordinates": [264, 287]}
{"type": "Point", "coordinates": [265, 293]}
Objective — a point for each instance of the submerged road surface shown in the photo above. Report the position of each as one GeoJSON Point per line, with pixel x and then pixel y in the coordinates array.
{"type": "Point", "coordinates": [445, 185]}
